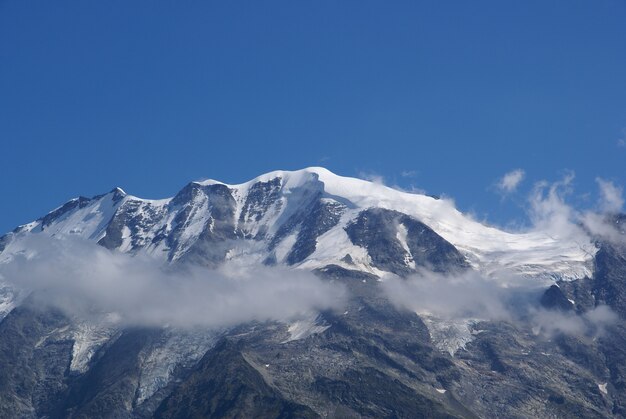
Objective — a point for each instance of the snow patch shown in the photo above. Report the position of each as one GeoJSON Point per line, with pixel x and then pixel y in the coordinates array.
{"type": "Point", "coordinates": [88, 338]}
{"type": "Point", "coordinates": [449, 335]}
{"type": "Point", "coordinates": [177, 348]}
{"type": "Point", "coordinates": [9, 299]}
{"type": "Point", "coordinates": [302, 329]}
{"type": "Point", "coordinates": [402, 236]}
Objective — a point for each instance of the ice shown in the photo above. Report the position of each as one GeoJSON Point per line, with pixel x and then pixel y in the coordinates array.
{"type": "Point", "coordinates": [177, 348]}
{"type": "Point", "coordinates": [9, 299]}
{"type": "Point", "coordinates": [89, 336]}
{"type": "Point", "coordinates": [449, 335]}
{"type": "Point", "coordinates": [304, 328]}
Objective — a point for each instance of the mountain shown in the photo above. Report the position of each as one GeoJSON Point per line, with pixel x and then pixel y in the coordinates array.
{"type": "Point", "coordinates": [308, 218]}
{"type": "Point", "coordinates": [444, 316]}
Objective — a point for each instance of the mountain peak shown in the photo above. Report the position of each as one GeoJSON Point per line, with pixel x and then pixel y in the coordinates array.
{"type": "Point", "coordinates": [283, 174]}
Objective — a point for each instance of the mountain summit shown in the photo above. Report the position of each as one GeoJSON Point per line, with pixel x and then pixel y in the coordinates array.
{"type": "Point", "coordinates": [307, 218]}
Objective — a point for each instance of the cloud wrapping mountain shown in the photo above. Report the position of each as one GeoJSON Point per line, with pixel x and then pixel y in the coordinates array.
{"type": "Point", "coordinates": [81, 277]}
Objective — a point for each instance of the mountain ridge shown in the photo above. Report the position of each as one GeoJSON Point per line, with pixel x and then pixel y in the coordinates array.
{"type": "Point", "coordinates": [264, 208]}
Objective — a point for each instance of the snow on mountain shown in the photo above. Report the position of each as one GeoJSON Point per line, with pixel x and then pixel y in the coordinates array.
{"type": "Point", "coordinates": [297, 218]}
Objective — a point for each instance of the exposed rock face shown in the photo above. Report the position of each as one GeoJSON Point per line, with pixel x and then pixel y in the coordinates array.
{"type": "Point", "coordinates": [398, 243]}
{"type": "Point", "coordinates": [226, 385]}
{"type": "Point", "coordinates": [34, 362]}
{"type": "Point", "coordinates": [371, 359]}
{"type": "Point", "coordinates": [313, 220]}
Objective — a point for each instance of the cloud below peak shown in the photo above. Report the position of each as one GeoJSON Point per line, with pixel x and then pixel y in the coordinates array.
{"type": "Point", "coordinates": [80, 277]}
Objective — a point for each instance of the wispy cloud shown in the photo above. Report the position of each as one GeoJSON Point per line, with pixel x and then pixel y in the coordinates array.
{"type": "Point", "coordinates": [380, 180]}
{"type": "Point", "coordinates": [510, 181]}
{"type": "Point", "coordinates": [621, 142]}
{"type": "Point", "coordinates": [508, 297]}
{"type": "Point", "coordinates": [80, 276]}
{"type": "Point", "coordinates": [590, 323]}
{"type": "Point", "coordinates": [550, 212]}
{"type": "Point", "coordinates": [612, 199]}
{"type": "Point", "coordinates": [466, 295]}
{"type": "Point", "coordinates": [372, 177]}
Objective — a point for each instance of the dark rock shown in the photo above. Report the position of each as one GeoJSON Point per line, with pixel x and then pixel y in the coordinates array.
{"type": "Point", "coordinates": [376, 229]}
{"type": "Point", "coordinates": [225, 385]}
{"type": "Point", "coordinates": [33, 366]}
{"type": "Point", "coordinates": [553, 298]}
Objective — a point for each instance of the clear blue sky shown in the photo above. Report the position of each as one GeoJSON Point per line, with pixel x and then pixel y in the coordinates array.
{"type": "Point", "coordinates": [150, 95]}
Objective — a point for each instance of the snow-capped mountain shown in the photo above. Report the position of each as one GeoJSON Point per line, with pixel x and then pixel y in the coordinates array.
{"type": "Point", "coordinates": [555, 352]}
{"type": "Point", "coordinates": [308, 219]}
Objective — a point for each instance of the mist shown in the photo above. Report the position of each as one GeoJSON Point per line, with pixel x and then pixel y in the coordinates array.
{"type": "Point", "coordinates": [80, 278]}
{"type": "Point", "coordinates": [550, 212]}
{"type": "Point", "coordinates": [507, 297]}
{"type": "Point", "coordinates": [466, 295]}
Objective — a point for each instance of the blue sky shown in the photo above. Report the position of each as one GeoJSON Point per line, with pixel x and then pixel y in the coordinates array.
{"type": "Point", "coordinates": [444, 96]}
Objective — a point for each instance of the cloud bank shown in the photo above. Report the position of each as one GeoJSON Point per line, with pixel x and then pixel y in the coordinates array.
{"type": "Point", "coordinates": [81, 277]}
{"type": "Point", "coordinates": [472, 296]}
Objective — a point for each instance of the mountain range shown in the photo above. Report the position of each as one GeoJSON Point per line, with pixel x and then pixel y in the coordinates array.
{"type": "Point", "coordinates": [397, 305]}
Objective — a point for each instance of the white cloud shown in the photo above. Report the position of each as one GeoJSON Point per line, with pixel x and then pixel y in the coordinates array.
{"type": "Point", "coordinates": [550, 213]}
{"type": "Point", "coordinates": [612, 200]}
{"type": "Point", "coordinates": [511, 180]}
{"type": "Point", "coordinates": [80, 276]}
{"type": "Point", "coordinates": [460, 296]}
{"type": "Point", "coordinates": [372, 177]}
{"type": "Point", "coordinates": [410, 189]}
{"type": "Point", "coordinates": [380, 180]}
{"type": "Point", "coordinates": [592, 322]}
{"type": "Point", "coordinates": [507, 297]}
{"type": "Point", "coordinates": [599, 225]}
